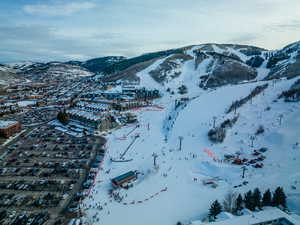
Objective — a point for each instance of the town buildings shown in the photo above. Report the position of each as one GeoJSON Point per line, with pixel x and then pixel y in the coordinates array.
{"type": "Point", "coordinates": [91, 120]}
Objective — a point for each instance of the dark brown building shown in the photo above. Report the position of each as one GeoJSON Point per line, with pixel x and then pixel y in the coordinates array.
{"type": "Point", "coordinates": [9, 128]}
{"type": "Point", "coordinates": [124, 179]}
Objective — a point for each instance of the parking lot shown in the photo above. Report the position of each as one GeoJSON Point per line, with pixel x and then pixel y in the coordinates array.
{"type": "Point", "coordinates": [44, 176]}
{"type": "Point", "coordinates": [35, 116]}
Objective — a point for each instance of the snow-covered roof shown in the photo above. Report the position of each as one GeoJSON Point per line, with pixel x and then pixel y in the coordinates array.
{"type": "Point", "coordinates": [95, 106]}
{"type": "Point", "coordinates": [269, 214]}
{"type": "Point", "coordinates": [7, 123]}
{"type": "Point", "coordinates": [84, 114]}
{"type": "Point", "coordinates": [26, 103]}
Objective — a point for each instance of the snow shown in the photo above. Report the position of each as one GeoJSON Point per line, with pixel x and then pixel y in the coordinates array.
{"type": "Point", "coordinates": [262, 71]}
{"type": "Point", "coordinates": [3, 69]}
{"type": "Point", "coordinates": [7, 123]}
{"type": "Point", "coordinates": [146, 80]}
{"type": "Point", "coordinates": [26, 103]}
{"type": "Point", "coordinates": [268, 214]}
{"type": "Point", "coordinates": [175, 191]}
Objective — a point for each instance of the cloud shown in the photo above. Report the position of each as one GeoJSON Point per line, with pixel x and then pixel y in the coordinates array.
{"type": "Point", "coordinates": [79, 29]}
{"type": "Point", "coordinates": [45, 43]}
{"type": "Point", "coordinates": [290, 25]}
{"type": "Point", "coordinates": [58, 8]}
{"type": "Point", "coordinates": [40, 43]}
{"type": "Point", "coordinates": [244, 38]}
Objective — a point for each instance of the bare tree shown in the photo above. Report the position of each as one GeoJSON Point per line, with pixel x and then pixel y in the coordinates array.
{"type": "Point", "coordinates": [229, 202]}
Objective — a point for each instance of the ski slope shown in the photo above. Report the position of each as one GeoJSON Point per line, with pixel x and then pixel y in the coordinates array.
{"type": "Point", "coordinates": [175, 191]}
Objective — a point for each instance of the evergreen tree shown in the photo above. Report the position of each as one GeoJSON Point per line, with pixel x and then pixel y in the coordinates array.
{"type": "Point", "coordinates": [239, 203]}
{"type": "Point", "coordinates": [279, 198]}
{"type": "Point", "coordinates": [63, 117]}
{"type": "Point", "coordinates": [215, 209]}
{"type": "Point", "coordinates": [267, 198]}
{"type": "Point", "coordinates": [249, 201]}
{"type": "Point", "coordinates": [257, 198]}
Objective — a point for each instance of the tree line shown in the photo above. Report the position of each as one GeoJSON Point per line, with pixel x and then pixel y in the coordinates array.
{"type": "Point", "coordinates": [252, 200]}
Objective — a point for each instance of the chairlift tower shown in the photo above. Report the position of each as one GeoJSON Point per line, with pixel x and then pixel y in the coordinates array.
{"type": "Point", "coordinates": [244, 170]}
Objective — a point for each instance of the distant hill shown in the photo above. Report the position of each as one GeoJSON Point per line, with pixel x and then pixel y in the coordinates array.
{"type": "Point", "coordinates": [98, 65]}
{"type": "Point", "coordinates": [8, 76]}
{"type": "Point", "coordinates": [58, 70]}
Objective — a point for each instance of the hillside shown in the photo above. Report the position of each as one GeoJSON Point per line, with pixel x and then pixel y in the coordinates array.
{"type": "Point", "coordinates": [212, 65]}
{"type": "Point", "coordinates": [8, 76]}
{"type": "Point", "coordinates": [284, 62]}
{"type": "Point", "coordinates": [178, 181]}
{"type": "Point", "coordinates": [98, 65]}
{"type": "Point", "coordinates": [175, 191]}
{"type": "Point", "coordinates": [51, 70]}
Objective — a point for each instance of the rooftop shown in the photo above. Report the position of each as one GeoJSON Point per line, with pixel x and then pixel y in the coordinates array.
{"type": "Point", "coordinates": [124, 176]}
{"type": "Point", "coordinates": [84, 114]}
{"type": "Point", "coordinates": [7, 123]}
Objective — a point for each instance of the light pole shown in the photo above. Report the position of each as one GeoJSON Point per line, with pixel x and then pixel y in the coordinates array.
{"type": "Point", "coordinates": [180, 142]}
{"type": "Point", "coordinates": [214, 123]}
{"type": "Point", "coordinates": [252, 138]}
{"type": "Point", "coordinates": [154, 155]}
{"type": "Point", "coordinates": [244, 170]}
{"type": "Point", "coordinates": [280, 118]}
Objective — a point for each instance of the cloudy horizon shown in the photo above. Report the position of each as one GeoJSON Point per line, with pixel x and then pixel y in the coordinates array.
{"type": "Point", "coordinates": [45, 30]}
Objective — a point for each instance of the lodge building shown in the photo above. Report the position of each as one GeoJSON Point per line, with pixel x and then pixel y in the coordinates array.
{"type": "Point", "coordinates": [123, 180]}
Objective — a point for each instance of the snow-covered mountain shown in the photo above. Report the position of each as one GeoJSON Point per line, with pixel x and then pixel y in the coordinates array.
{"type": "Point", "coordinates": [213, 65]}
{"type": "Point", "coordinates": [56, 70]}
{"type": "Point", "coordinates": [8, 75]}
{"type": "Point", "coordinates": [226, 88]}
{"type": "Point", "coordinates": [284, 62]}
{"type": "Point", "coordinates": [19, 66]}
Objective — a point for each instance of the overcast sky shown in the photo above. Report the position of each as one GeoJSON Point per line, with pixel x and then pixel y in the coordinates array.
{"type": "Point", "coordinates": [42, 30]}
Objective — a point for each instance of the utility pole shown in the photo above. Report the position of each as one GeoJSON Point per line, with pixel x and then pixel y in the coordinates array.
{"type": "Point", "coordinates": [180, 142]}
{"type": "Point", "coordinates": [252, 138]}
{"type": "Point", "coordinates": [280, 118]}
{"type": "Point", "coordinates": [244, 170]}
{"type": "Point", "coordinates": [214, 123]}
